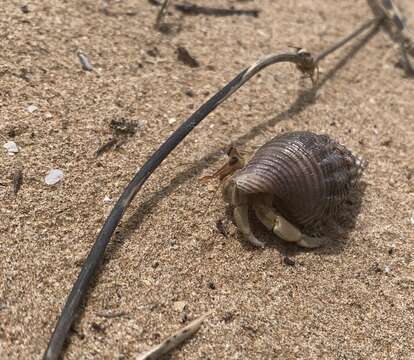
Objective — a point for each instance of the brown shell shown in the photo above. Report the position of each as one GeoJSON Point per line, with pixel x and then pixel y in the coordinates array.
{"type": "Point", "coordinates": [308, 175]}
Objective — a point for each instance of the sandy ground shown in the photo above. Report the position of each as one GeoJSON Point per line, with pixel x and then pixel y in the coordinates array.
{"type": "Point", "coordinates": [168, 263]}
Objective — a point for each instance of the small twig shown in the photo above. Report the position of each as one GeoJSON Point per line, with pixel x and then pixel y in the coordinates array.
{"type": "Point", "coordinates": [106, 146]}
{"type": "Point", "coordinates": [341, 42]}
{"type": "Point", "coordinates": [192, 9]}
{"type": "Point", "coordinates": [17, 180]}
{"type": "Point", "coordinates": [110, 314]}
{"type": "Point", "coordinates": [221, 229]}
{"type": "Point", "coordinates": [184, 56]}
{"type": "Point", "coordinates": [161, 14]}
{"type": "Point", "coordinates": [171, 342]}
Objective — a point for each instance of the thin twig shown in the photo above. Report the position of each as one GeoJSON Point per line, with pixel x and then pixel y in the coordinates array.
{"type": "Point", "coordinates": [323, 54]}
{"type": "Point", "coordinates": [106, 146]}
{"type": "Point", "coordinates": [192, 9]}
{"type": "Point", "coordinates": [396, 28]}
{"type": "Point", "coordinates": [110, 314]}
{"type": "Point", "coordinates": [161, 14]}
{"type": "Point", "coordinates": [17, 180]}
{"type": "Point", "coordinates": [171, 342]}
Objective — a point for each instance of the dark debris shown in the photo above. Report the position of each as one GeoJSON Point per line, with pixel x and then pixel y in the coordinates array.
{"type": "Point", "coordinates": [124, 127]}
{"type": "Point", "coordinates": [288, 261]}
{"type": "Point", "coordinates": [25, 9]}
{"type": "Point", "coordinates": [17, 180]}
{"type": "Point", "coordinates": [221, 228]}
{"type": "Point", "coordinates": [193, 9]}
{"type": "Point", "coordinates": [184, 56]}
{"type": "Point", "coordinates": [110, 144]}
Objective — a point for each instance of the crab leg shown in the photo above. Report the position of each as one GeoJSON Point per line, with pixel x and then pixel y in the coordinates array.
{"type": "Point", "coordinates": [283, 228]}
{"type": "Point", "coordinates": [241, 216]}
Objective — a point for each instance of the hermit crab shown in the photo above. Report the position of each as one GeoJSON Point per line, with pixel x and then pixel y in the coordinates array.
{"type": "Point", "coordinates": [293, 182]}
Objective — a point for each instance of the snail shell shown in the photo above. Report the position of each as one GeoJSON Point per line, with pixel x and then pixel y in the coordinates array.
{"type": "Point", "coordinates": [308, 175]}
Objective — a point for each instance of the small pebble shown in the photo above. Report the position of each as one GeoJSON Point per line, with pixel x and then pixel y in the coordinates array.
{"type": "Point", "coordinates": [32, 108]}
{"type": "Point", "coordinates": [211, 285]}
{"type": "Point", "coordinates": [179, 306]}
{"type": "Point", "coordinates": [107, 200]}
{"type": "Point", "coordinates": [11, 147]}
{"type": "Point", "coordinates": [221, 228]}
{"type": "Point", "coordinates": [54, 176]}
{"type": "Point", "coordinates": [211, 188]}
{"type": "Point", "coordinates": [172, 121]}
{"type": "Point", "coordinates": [387, 269]}
{"type": "Point", "coordinates": [288, 261]}
{"type": "Point", "coordinates": [189, 93]}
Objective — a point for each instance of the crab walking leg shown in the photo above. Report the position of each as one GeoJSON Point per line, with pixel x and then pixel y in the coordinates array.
{"type": "Point", "coordinates": [241, 215]}
{"type": "Point", "coordinates": [283, 228]}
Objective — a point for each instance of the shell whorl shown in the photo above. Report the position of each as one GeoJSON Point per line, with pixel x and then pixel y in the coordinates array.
{"type": "Point", "coordinates": [308, 175]}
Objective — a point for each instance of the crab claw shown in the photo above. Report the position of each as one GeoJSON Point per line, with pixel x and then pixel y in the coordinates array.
{"type": "Point", "coordinates": [239, 200]}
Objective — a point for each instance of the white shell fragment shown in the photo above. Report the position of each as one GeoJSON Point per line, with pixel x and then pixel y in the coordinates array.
{"type": "Point", "coordinates": [32, 108]}
{"type": "Point", "coordinates": [86, 65]}
{"type": "Point", "coordinates": [11, 147]}
{"type": "Point", "coordinates": [179, 305]}
{"type": "Point", "coordinates": [54, 176]}
{"type": "Point", "coordinates": [107, 199]}
{"type": "Point", "coordinates": [172, 121]}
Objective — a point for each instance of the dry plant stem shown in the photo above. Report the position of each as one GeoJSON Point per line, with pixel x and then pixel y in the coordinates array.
{"type": "Point", "coordinates": [323, 54]}
{"type": "Point", "coordinates": [192, 9]}
{"type": "Point", "coordinates": [171, 342]}
{"type": "Point", "coordinates": [161, 14]}
{"type": "Point", "coordinates": [96, 254]}
{"type": "Point", "coordinates": [395, 26]}
{"type": "Point", "coordinates": [408, 66]}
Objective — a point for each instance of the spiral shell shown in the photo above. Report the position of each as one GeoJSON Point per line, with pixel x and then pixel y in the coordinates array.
{"type": "Point", "coordinates": [308, 175]}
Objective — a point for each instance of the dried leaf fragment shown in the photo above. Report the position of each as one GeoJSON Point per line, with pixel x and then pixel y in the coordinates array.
{"type": "Point", "coordinates": [173, 341]}
{"type": "Point", "coordinates": [17, 180]}
{"type": "Point", "coordinates": [184, 56]}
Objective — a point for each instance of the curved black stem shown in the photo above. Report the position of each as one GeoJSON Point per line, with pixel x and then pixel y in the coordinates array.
{"type": "Point", "coordinates": [95, 256]}
{"type": "Point", "coordinates": [341, 42]}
